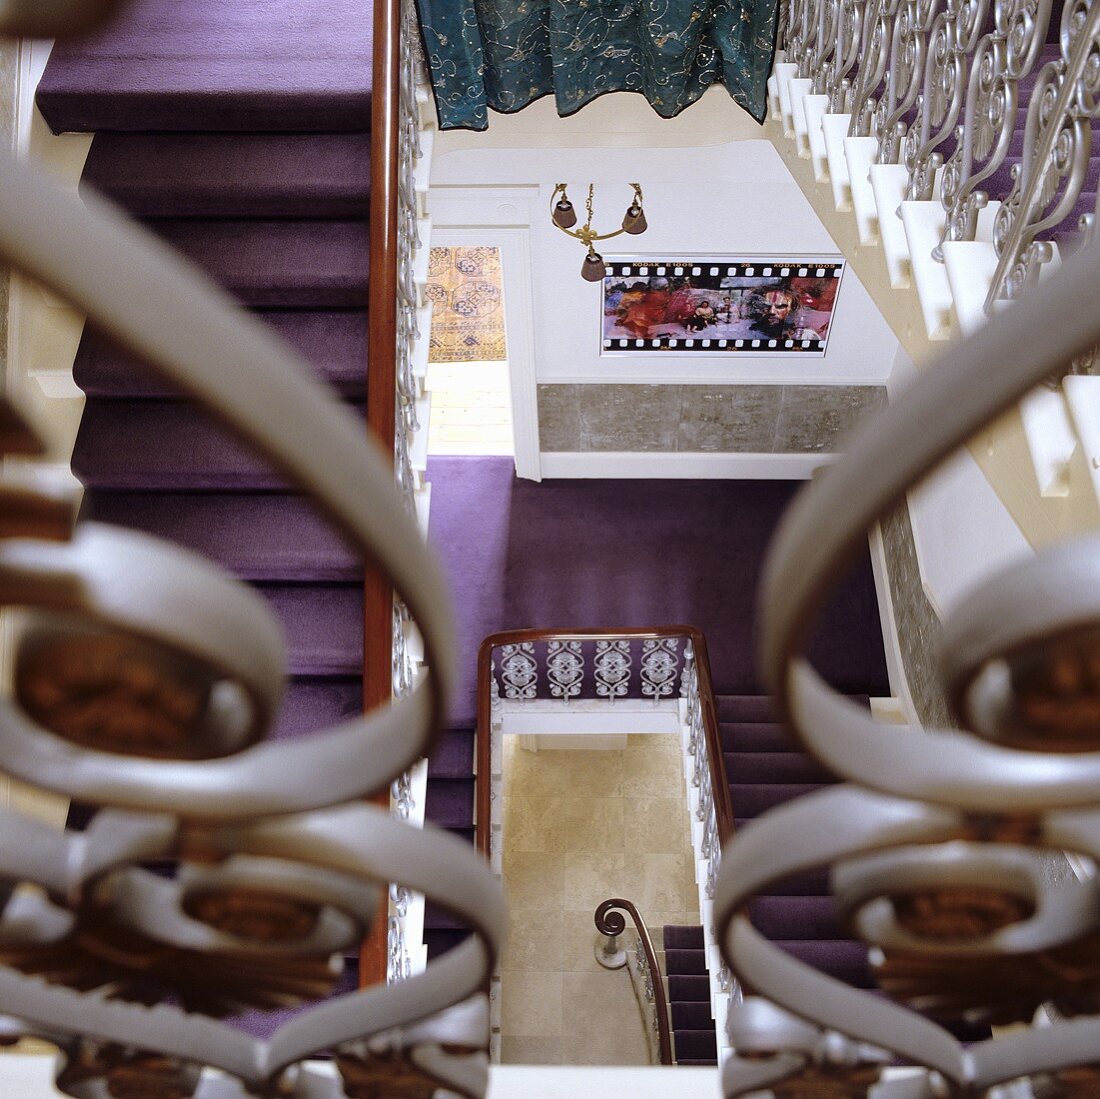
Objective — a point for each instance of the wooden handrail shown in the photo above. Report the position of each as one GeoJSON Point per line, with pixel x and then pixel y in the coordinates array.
{"type": "Point", "coordinates": [609, 921]}
{"type": "Point", "coordinates": [382, 383]}
{"type": "Point", "coordinates": [483, 744]}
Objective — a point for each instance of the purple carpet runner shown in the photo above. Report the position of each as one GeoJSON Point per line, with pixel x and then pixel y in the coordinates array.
{"type": "Point", "coordinates": [240, 134]}
{"type": "Point", "coordinates": [694, 1041]}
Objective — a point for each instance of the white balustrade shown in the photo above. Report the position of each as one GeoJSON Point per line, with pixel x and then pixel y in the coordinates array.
{"type": "Point", "coordinates": [406, 953]}
{"type": "Point", "coordinates": [959, 133]}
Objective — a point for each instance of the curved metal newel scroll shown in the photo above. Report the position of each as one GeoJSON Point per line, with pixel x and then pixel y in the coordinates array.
{"type": "Point", "coordinates": [280, 864]}
{"type": "Point", "coordinates": [610, 922]}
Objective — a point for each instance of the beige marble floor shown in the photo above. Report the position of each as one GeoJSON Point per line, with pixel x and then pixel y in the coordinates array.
{"type": "Point", "coordinates": [471, 408]}
{"type": "Point", "coordinates": [579, 827]}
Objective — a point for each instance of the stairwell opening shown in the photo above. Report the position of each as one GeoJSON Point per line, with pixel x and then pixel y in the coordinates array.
{"type": "Point", "coordinates": [580, 825]}
{"type": "Point", "coordinates": [468, 371]}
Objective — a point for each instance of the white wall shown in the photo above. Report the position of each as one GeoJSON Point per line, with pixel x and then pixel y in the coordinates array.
{"type": "Point", "coordinates": [962, 532]}
{"type": "Point", "coordinates": [731, 199]}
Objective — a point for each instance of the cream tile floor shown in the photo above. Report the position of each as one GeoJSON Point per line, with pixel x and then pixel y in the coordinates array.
{"type": "Point", "coordinates": [579, 827]}
{"type": "Point", "coordinates": [471, 408]}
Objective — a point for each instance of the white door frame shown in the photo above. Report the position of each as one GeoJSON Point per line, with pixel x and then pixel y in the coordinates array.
{"type": "Point", "coordinates": [515, 263]}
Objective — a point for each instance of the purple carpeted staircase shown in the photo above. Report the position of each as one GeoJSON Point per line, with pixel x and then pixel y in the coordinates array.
{"type": "Point", "coordinates": [765, 768]}
{"type": "Point", "coordinates": [240, 135]}
{"type": "Point", "coordinates": [693, 1039]}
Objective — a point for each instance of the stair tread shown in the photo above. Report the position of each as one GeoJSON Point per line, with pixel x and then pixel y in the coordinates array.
{"type": "Point", "coordinates": [756, 737]}
{"type": "Point", "coordinates": [696, 1047]}
{"type": "Point", "coordinates": [454, 755]}
{"type": "Point", "coordinates": [685, 962]}
{"type": "Point", "coordinates": [450, 803]}
{"type": "Point", "coordinates": [323, 624]}
{"type": "Point", "coordinates": [689, 987]}
{"type": "Point", "coordinates": [164, 445]}
{"type": "Point", "coordinates": [333, 341]}
{"type": "Point", "coordinates": [681, 936]}
{"type": "Point", "coordinates": [181, 175]}
{"type": "Point", "coordinates": [314, 703]}
{"type": "Point", "coordinates": [278, 264]}
{"type": "Point", "coordinates": [751, 799]}
{"type": "Point", "coordinates": [744, 708]}
{"type": "Point", "coordinates": [775, 767]}
{"type": "Point", "coordinates": [311, 704]}
{"type": "Point", "coordinates": [265, 65]}
{"type": "Point", "coordinates": [841, 958]}
{"type": "Point", "coordinates": [797, 917]}
{"type": "Point", "coordinates": [255, 535]}
{"type": "Point", "coordinates": [691, 1015]}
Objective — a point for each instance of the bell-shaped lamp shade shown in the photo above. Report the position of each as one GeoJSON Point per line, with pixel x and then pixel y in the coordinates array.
{"type": "Point", "coordinates": [634, 221]}
{"type": "Point", "coordinates": [593, 268]}
{"type": "Point", "coordinates": [565, 217]}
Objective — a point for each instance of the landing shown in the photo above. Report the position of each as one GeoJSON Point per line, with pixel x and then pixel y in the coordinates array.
{"type": "Point", "coordinates": [609, 553]}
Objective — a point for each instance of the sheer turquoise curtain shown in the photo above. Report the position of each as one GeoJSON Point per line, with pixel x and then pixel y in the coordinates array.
{"type": "Point", "coordinates": [503, 54]}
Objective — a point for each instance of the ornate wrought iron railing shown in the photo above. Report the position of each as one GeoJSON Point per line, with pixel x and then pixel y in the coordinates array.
{"type": "Point", "coordinates": [1057, 144]}
{"type": "Point", "coordinates": [642, 964]}
{"type": "Point", "coordinates": [281, 861]}
{"type": "Point", "coordinates": [981, 100]}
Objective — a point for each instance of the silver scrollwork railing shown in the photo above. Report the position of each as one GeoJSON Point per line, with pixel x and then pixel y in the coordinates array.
{"type": "Point", "coordinates": [951, 42]}
{"type": "Point", "coordinates": [835, 78]}
{"type": "Point", "coordinates": [409, 298]}
{"type": "Point", "coordinates": [902, 83]}
{"type": "Point", "coordinates": [980, 100]}
{"type": "Point", "coordinates": [1003, 58]}
{"type": "Point", "coordinates": [1057, 146]}
{"type": "Point", "coordinates": [938, 843]}
{"type": "Point", "coordinates": [878, 29]}
{"type": "Point", "coordinates": [281, 863]}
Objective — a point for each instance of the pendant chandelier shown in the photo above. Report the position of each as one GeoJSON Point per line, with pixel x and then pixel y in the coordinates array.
{"type": "Point", "coordinates": [564, 216]}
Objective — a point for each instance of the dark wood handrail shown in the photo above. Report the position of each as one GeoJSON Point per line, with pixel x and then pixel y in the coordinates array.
{"type": "Point", "coordinates": [382, 383]}
{"type": "Point", "coordinates": [609, 921]}
{"type": "Point", "coordinates": [483, 743]}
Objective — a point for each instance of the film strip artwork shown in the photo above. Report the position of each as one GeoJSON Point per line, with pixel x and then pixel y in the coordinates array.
{"type": "Point", "coordinates": [744, 305]}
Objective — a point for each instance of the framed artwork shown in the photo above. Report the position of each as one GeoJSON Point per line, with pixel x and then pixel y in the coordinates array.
{"type": "Point", "coordinates": [743, 305]}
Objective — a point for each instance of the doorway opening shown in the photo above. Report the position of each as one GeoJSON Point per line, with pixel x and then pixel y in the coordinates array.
{"type": "Point", "coordinates": [468, 374]}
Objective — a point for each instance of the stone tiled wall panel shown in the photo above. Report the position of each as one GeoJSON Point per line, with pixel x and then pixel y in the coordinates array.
{"type": "Point", "coordinates": [745, 419]}
{"type": "Point", "coordinates": [917, 623]}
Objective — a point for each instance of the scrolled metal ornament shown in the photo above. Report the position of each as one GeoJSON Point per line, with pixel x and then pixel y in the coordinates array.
{"type": "Point", "coordinates": [146, 682]}
{"type": "Point", "coordinates": [951, 41]}
{"type": "Point", "coordinates": [938, 842]}
{"type": "Point", "coordinates": [835, 79]}
{"type": "Point", "coordinates": [902, 81]}
{"type": "Point", "coordinates": [1057, 146]}
{"type": "Point", "coordinates": [879, 23]}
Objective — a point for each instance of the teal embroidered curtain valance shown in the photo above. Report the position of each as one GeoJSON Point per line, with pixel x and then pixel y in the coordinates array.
{"type": "Point", "coordinates": [503, 54]}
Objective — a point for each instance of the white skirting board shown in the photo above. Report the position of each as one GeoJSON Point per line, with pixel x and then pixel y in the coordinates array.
{"type": "Point", "coordinates": [692, 466]}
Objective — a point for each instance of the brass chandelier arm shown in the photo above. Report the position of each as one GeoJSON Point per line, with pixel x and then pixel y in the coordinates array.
{"type": "Point", "coordinates": [559, 200]}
